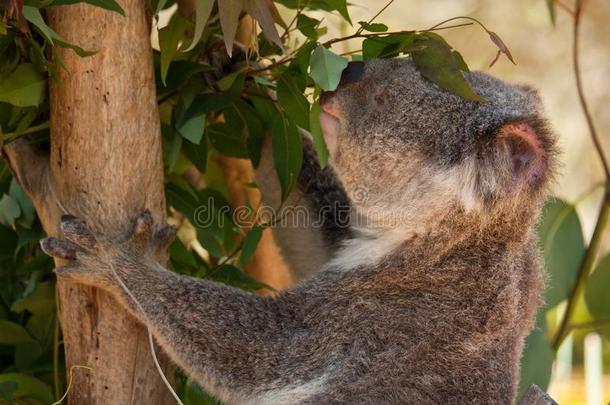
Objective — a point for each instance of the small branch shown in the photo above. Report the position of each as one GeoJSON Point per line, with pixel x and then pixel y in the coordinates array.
{"type": "Point", "coordinates": [581, 94]}
{"type": "Point", "coordinates": [588, 260]}
{"type": "Point", "coordinates": [586, 266]}
{"type": "Point", "coordinates": [12, 136]}
{"type": "Point", "coordinates": [328, 43]}
{"type": "Point", "coordinates": [388, 4]}
{"type": "Point", "coordinates": [598, 324]}
{"type": "Point", "coordinates": [564, 7]}
{"type": "Point", "coordinates": [28, 164]}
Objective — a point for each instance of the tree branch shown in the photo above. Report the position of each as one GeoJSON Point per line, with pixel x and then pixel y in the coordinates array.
{"type": "Point", "coordinates": [29, 165]}
{"type": "Point", "coordinates": [590, 257]}
{"type": "Point", "coordinates": [581, 94]}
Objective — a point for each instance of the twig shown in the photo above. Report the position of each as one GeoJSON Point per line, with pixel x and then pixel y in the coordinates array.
{"type": "Point", "coordinates": [388, 4]}
{"type": "Point", "coordinates": [564, 7]}
{"type": "Point", "coordinates": [353, 36]}
{"type": "Point", "coordinates": [581, 94]}
{"type": "Point", "coordinates": [591, 253]}
{"type": "Point", "coordinates": [600, 323]}
{"type": "Point", "coordinates": [11, 136]}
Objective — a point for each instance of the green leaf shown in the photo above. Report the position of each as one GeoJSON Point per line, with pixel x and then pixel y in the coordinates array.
{"type": "Point", "coordinates": [373, 27]}
{"type": "Point", "coordinates": [387, 46]}
{"type": "Point", "coordinates": [33, 15]}
{"type": "Point", "coordinates": [536, 362]}
{"type": "Point", "coordinates": [25, 204]}
{"type": "Point", "coordinates": [326, 68]}
{"type": "Point", "coordinates": [287, 148]}
{"type": "Point", "coordinates": [170, 38]}
{"type": "Point", "coordinates": [229, 11]}
{"type": "Point", "coordinates": [460, 62]}
{"type": "Point", "coordinates": [9, 210]}
{"type": "Point", "coordinates": [563, 247]}
{"type": "Point", "coordinates": [437, 63]}
{"type": "Point", "coordinates": [292, 100]}
{"type": "Point", "coordinates": [550, 5]}
{"type": "Point", "coordinates": [316, 133]}
{"type": "Point", "coordinates": [233, 276]}
{"type": "Point", "coordinates": [7, 391]}
{"type": "Point", "coordinates": [28, 387]}
{"type": "Point", "coordinates": [40, 302]}
{"type": "Point", "coordinates": [197, 154]}
{"type": "Point", "coordinates": [259, 10]}
{"type": "Point", "coordinates": [24, 87]}
{"type": "Point", "coordinates": [203, 9]}
{"type": "Point", "coordinates": [228, 142]}
{"type": "Point", "coordinates": [340, 6]}
{"type": "Point", "coordinates": [111, 5]}
{"type": "Point", "coordinates": [596, 290]}
{"type": "Point", "coordinates": [250, 243]}
{"type": "Point", "coordinates": [308, 26]}
{"type": "Point", "coordinates": [13, 334]}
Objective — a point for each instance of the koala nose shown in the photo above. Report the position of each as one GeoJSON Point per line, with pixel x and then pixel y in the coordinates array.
{"type": "Point", "coordinates": [352, 73]}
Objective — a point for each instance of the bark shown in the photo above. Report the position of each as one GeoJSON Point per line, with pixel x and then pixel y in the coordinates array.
{"type": "Point", "coordinates": [105, 165]}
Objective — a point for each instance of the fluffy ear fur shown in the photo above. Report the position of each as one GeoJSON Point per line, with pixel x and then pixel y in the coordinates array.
{"type": "Point", "coordinates": [525, 153]}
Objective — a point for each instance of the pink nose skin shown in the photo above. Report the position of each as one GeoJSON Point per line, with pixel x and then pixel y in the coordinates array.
{"type": "Point", "coordinates": [529, 160]}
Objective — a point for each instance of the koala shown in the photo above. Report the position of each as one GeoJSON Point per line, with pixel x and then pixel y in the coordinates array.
{"type": "Point", "coordinates": [421, 291]}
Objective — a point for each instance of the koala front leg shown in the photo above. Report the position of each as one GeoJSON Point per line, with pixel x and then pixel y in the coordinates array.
{"type": "Point", "coordinates": [232, 342]}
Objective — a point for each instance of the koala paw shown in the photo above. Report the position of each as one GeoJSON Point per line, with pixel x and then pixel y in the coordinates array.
{"type": "Point", "coordinates": [92, 260]}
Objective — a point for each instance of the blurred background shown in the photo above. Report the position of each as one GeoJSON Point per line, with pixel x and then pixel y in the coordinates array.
{"type": "Point", "coordinates": [542, 53]}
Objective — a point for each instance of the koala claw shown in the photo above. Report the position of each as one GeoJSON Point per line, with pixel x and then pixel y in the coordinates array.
{"type": "Point", "coordinates": [75, 230]}
{"type": "Point", "coordinates": [62, 249]}
{"type": "Point", "coordinates": [164, 237]}
{"type": "Point", "coordinates": [142, 230]}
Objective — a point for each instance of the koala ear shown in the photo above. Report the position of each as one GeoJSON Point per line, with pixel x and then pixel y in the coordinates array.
{"type": "Point", "coordinates": [526, 155]}
{"type": "Point", "coordinates": [330, 128]}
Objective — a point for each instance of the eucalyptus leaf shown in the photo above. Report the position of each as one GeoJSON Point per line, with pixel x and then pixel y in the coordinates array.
{"type": "Point", "coordinates": [536, 362]}
{"type": "Point", "coordinates": [13, 334]}
{"type": "Point", "coordinates": [326, 68]}
{"type": "Point", "coordinates": [287, 148]}
{"type": "Point", "coordinates": [563, 247]}
{"type": "Point", "coordinates": [251, 241]}
{"type": "Point", "coordinates": [40, 302]}
{"type": "Point", "coordinates": [111, 5]}
{"type": "Point", "coordinates": [203, 9]}
{"type": "Point", "coordinates": [9, 210]}
{"type": "Point", "coordinates": [28, 387]}
{"type": "Point", "coordinates": [292, 100]}
{"type": "Point", "coordinates": [373, 27]}
{"type": "Point", "coordinates": [596, 290]}
{"type": "Point", "coordinates": [33, 15]}
{"type": "Point", "coordinates": [316, 133]}
{"type": "Point", "coordinates": [232, 275]}
{"type": "Point", "coordinates": [260, 11]}
{"type": "Point", "coordinates": [436, 62]}
{"type": "Point", "coordinates": [24, 87]}
{"type": "Point", "coordinates": [229, 12]}
{"type": "Point", "coordinates": [170, 38]}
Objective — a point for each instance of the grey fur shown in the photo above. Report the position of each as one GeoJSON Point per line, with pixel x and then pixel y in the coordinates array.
{"type": "Point", "coordinates": [437, 315]}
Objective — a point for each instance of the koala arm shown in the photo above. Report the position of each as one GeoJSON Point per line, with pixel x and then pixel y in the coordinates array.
{"type": "Point", "coordinates": [232, 342]}
{"type": "Point", "coordinates": [315, 215]}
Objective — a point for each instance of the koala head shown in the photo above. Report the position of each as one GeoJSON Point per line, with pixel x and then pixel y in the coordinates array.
{"type": "Point", "coordinates": [403, 146]}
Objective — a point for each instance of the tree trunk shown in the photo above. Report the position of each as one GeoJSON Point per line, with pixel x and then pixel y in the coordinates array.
{"type": "Point", "coordinates": [105, 166]}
